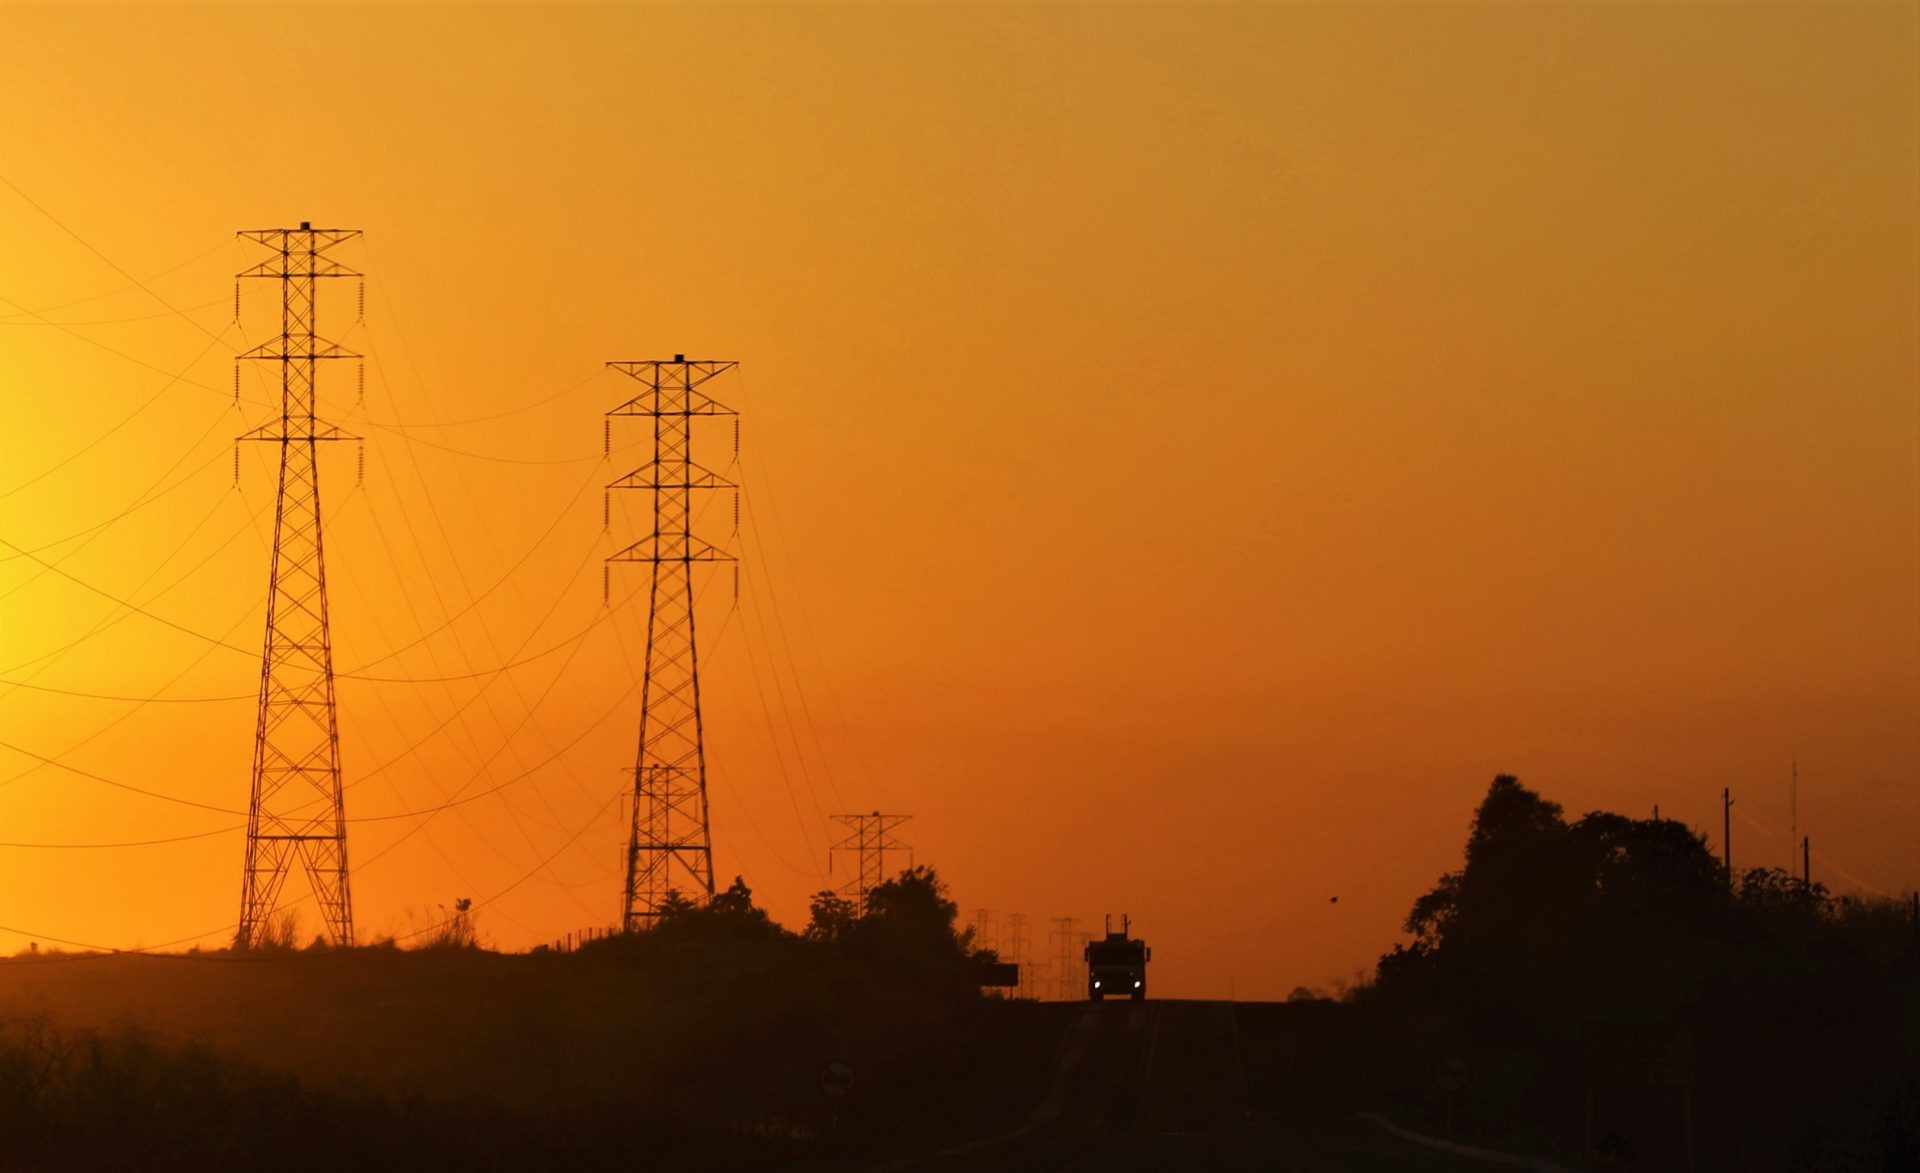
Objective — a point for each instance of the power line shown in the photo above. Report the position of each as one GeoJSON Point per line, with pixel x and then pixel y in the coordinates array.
{"type": "Point", "coordinates": [111, 264]}
{"type": "Point", "coordinates": [44, 321]}
{"type": "Point", "coordinates": [227, 830]}
{"type": "Point", "coordinates": [115, 782]}
{"type": "Point", "coordinates": [168, 271]}
{"type": "Point", "coordinates": [103, 436]}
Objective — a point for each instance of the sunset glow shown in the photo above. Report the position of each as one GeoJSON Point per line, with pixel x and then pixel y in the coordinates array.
{"type": "Point", "coordinates": [1187, 451]}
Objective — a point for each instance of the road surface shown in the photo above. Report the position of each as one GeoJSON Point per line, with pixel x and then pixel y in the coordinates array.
{"type": "Point", "coordinates": [1163, 1086]}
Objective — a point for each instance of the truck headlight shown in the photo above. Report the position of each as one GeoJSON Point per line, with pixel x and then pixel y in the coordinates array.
{"type": "Point", "coordinates": [1096, 983]}
{"type": "Point", "coordinates": [1136, 985]}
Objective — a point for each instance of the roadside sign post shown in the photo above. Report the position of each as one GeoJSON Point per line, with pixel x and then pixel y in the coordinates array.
{"type": "Point", "coordinates": [1641, 1056]}
{"type": "Point", "coordinates": [836, 1083]}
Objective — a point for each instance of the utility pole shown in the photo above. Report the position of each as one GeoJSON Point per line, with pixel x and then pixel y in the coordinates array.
{"type": "Point", "coordinates": [1726, 829]}
{"type": "Point", "coordinates": [1793, 803]}
{"type": "Point", "coordinates": [1806, 863]}
{"type": "Point", "coordinates": [295, 816]}
{"type": "Point", "coordinates": [869, 837]}
{"type": "Point", "coordinates": [670, 845]}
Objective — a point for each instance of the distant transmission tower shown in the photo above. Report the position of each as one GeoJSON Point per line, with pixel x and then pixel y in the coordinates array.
{"type": "Point", "coordinates": [869, 837]}
{"type": "Point", "coordinates": [983, 928]}
{"type": "Point", "coordinates": [670, 848]}
{"type": "Point", "coordinates": [1014, 952]}
{"type": "Point", "coordinates": [1067, 958]}
{"type": "Point", "coordinates": [296, 818]}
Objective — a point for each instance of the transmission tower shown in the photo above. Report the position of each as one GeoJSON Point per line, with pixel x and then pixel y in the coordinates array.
{"type": "Point", "coordinates": [670, 849]}
{"type": "Point", "coordinates": [295, 818]}
{"type": "Point", "coordinates": [869, 837]}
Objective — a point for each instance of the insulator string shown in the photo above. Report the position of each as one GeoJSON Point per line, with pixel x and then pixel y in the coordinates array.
{"type": "Point", "coordinates": [236, 465]}
{"type": "Point", "coordinates": [360, 475]}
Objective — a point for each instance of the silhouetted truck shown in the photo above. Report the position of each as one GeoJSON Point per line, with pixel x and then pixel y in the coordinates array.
{"type": "Point", "coordinates": [1117, 964]}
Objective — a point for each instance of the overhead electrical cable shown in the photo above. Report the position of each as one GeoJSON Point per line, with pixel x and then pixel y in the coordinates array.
{"type": "Point", "coordinates": [223, 246]}
{"type": "Point", "coordinates": [57, 764]}
{"type": "Point", "coordinates": [44, 321]}
{"type": "Point", "coordinates": [110, 262]}
{"type": "Point", "coordinates": [128, 697]}
{"type": "Point", "coordinates": [106, 523]}
{"type": "Point", "coordinates": [536, 870]}
{"type": "Point", "coordinates": [127, 603]}
{"type": "Point", "coordinates": [103, 436]}
{"type": "Point", "coordinates": [398, 426]}
{"type": "Point", "coordinates": [180, 380]}
{"type": "Point", "coordinates": [493, 646]}
{"type": "Point", "coordinates": [133, 708]}
{"type": "Point", "coordinates": [476, 600]}
{"type": "Point", "coordinates": [46, 658]}
{"type": "Point", "coordinates": [226, 830]}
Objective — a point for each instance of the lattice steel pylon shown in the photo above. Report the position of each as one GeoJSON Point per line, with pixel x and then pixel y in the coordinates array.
{"type": "Point", "coordinates": [670, 847]}
{"type": "Point", "coordinates": [869, 837]}
{"type": "Point", "coordinates": [296, 816]}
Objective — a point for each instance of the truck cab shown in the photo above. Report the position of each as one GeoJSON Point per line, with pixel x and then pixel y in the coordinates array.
{"type": "Point", "coordinates": [1117, 964]}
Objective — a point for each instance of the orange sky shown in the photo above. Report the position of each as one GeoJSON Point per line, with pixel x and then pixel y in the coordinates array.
{"type": "Point", "coordinates": [1189, 450]}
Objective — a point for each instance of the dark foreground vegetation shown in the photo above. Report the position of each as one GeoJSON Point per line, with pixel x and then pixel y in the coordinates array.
{"type": "Point", "coordinates": [1588, 988]}
{"type": "Point", "coordinates": [1614, 958]}
{"type": "Point", "coordinates": [695, 1045]}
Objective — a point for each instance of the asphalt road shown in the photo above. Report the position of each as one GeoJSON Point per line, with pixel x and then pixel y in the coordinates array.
{"type": "Point", "coordinates": [1162, 1086]}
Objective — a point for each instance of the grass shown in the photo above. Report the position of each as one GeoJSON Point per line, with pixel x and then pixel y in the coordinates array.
{"type": "Point", "coordinates": [387, 1058]}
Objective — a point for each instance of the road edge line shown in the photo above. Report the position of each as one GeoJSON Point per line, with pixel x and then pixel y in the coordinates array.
{"type": "Point", "coordinates": [1534, 1164]}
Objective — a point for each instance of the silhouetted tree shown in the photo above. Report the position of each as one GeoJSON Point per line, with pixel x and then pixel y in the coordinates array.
{"type": "Point", "coordinates": [831, 916]}
{"type": "Point", "coordinates": [1775, 889]}
{"type": "Point", "coordinates": [1509, 884]}
{"type": "Point", "coordinates": [674, 906]}
{"type": "Point", "coordinates": [1649, 870]}
{"type": "Point", "coordinates": [912, 910]}
{"type": "Point", "coordinates": [1550, 927]}
{"type": "Point", "coordinates": [730, 914]}
{"type": "Point", "coordinates": [1547, 920]}
{"type": "Point", "coordinates": [736, 903]}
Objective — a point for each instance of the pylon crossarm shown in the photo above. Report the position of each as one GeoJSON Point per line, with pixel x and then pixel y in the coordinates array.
{"type": "Point", "coordinates": [649, 549]}
{"type": "Point", "coordinates": [282, 349]}
{"type": "Point", "coordinates": [672, 475]}
{"type": "Point", "coordinates": [279, 433]}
